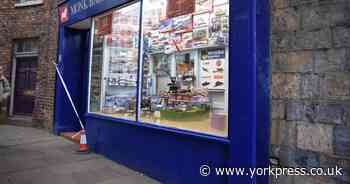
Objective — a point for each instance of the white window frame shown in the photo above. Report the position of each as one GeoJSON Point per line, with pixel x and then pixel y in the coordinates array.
{"type": "Point", "coordinates": [29, 3]}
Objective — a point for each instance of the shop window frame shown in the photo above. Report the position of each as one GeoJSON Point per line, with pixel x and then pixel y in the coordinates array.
{"type": "Point", "coordinates": [138, 122]}
{"type": "Point", "coordinates": [29, 3]}
{"type": "Point", "coordinates": [95, 114]}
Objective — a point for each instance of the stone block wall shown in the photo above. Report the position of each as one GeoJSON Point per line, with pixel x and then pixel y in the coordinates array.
{"type": "Point", "coordinates": [39, 21]}
{"type": "Point", "coordinates": [310, 87]}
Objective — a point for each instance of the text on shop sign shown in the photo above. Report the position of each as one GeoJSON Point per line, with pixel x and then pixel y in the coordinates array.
{"type": "Point", "coordinates": [83, 5]}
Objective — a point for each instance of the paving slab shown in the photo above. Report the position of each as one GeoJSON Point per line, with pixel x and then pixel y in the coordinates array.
{"type": "Point", "coordinates": [34, 156]}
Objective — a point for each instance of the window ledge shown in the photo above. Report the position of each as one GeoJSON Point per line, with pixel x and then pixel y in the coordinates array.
{"type": "Point", "coordinates": [223, 140]}
{"type": "Point", "coordinates": [30, 3]}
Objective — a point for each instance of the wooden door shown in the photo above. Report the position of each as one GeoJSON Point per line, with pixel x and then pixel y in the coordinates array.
{"type": "Point", "coordinates": [25, 83]}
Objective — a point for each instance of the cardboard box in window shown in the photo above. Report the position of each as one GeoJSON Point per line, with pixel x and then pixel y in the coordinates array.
{"type": "Point", "coordinates": [218, 121]}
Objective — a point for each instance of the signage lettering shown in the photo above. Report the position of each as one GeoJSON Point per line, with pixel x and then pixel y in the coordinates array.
{"type": "Point", "coordinates": [213, 54]}
{"type": "Point", "coordinates": [83, 5]}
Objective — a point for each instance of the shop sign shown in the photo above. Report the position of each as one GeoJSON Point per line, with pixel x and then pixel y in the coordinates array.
{"type": "Point", "coordinates": [83, 5]}
{"type": "Point", "coordinates": [64, 14]}
{"type": "Point", "coordinates": [68, 10]}
{"type": "Point", "coordinates": [213, 54]}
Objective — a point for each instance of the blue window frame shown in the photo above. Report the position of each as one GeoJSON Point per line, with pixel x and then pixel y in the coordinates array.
{"type": "Point", "coordinates": [249, 85]}
{"type": "Point", "coordinates": [181, 80]}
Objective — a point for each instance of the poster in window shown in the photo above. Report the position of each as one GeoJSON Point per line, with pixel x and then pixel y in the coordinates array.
{"type": "Point", "coordinates": [220, 2]}
{"type": "Point", "coordinates": [201, 20]}
{"type": "Point", "coordinates": [104, 25]}
{"type": "Point", "coordinates": [177, 8]}
{"type": "Point", "coordinates": [203, 6]}
{"type": "Point", "coordinates": [183, 23]}
{"type": "Point", "coordinates": [187, 40]}
{"type": "Point", "coordinates": [212, 69]}
{"type": "Point", "coordinates": [212, 54]}
{"type": "Point", "coordinates": [200, 37]}
{"type": "Point", "coordinates": [219, 26]}
{"type": "Point", "coordinates": [166, 25]}
{"type": "Point", "coordinates": [163, 10]}
{"type": "Point", "coordinates": [222, 10]}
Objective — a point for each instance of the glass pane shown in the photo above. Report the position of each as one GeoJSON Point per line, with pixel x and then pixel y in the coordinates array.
{"type": "Point", "coordinates": [19, 46]}
{"type": "Point", "coordinates": [185, 65]}
{"type": "Point", "coordinates": [33, 45]}
{"type": "Point", "coordinates": [114, 67]}
{"type": "Point", "coordinates": [27, 45]}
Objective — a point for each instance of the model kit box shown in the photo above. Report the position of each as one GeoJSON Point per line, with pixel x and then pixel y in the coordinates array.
{"type": "Point", "coordinates": [203, 6]}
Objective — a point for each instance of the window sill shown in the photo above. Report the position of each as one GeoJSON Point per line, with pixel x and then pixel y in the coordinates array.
{"type": "Point", "coordinates": [31, 3]}
{"type": "Point", "coordinates": [177, 131]}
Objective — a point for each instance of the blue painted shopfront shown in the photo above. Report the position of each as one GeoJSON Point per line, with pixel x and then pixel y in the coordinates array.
{"type": "Point", "coordinates": [172, 155]}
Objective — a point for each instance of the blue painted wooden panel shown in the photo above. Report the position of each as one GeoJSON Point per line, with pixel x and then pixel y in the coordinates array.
{"type": "Point", "coordinates": [168, 157]}
{"type": "Point", "coordinates": [74, 68]}
{"type": "Point", "coordinates": [263, 85]}
{"type": "Point", "coordinates": [98, 8]}
{"type": "Point", "coordinates": [243, 90]}
{"type": "Point", "coordinates": [175, 157]}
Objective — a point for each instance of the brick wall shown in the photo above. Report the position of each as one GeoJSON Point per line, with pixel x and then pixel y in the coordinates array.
{"type": "Point", "coordinates": [311, 86]}
{"type": "Point", "coordinates": [6, 17]}
{"type": "Point", "coordinates": [27, 22]}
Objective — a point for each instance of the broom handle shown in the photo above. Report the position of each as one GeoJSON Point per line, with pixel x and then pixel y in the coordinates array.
{"type": "Point", "coordinates": [69, 97]}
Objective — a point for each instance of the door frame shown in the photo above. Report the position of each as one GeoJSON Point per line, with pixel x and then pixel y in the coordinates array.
{"type": "Point", "coordinates": [13, 75]}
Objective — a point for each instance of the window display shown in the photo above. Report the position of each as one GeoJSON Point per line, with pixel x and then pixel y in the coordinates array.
{"type": "Point", "coordinates": [185, 65]}
{"type": "Point", "coordinates": [115, 62]}
{"type": "Point", "coordinates": [212, 73]}
{"type": "Point", "coordinates": [183, 81]}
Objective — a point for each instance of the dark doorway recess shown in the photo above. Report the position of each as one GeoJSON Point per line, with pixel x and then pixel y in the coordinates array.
{"type": "Point", "coordinates": [26, 74]}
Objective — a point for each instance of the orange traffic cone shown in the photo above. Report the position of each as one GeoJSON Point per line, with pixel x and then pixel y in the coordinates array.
{"type": "Point", "coordinates": [84, 148]}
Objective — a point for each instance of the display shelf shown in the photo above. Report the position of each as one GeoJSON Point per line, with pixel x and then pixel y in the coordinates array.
{"type": "Point", "coordinates": [185, 116]}
{"type": "Point", "coordinates": [203, 126]}
{"type": "Point", "coordinates": [193, 49]}
{"type": "Point", "coordinates": [216, 90]}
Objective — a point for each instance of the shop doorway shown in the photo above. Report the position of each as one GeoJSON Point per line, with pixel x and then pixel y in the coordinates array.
{"type": "Point", "coordinates": [73, 64]}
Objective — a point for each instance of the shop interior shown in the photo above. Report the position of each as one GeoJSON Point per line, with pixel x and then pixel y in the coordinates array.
{"type": "Point", "coordinates": [174, 73]}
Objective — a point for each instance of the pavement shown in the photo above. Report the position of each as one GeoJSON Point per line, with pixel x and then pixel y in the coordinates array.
{"type": "Point", "coordinates": [34, 156]}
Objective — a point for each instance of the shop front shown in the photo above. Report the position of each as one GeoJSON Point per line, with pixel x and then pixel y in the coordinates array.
{"type": "Point", "coordinates": [167, 86]}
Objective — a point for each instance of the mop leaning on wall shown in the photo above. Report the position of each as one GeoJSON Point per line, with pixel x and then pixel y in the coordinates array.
{"type": "Point", "coordinates": [83, 142]}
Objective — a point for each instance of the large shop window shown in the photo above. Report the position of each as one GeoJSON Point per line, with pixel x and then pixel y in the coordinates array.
{"type": "Point", "coordinates": [114, 67]}
{"type": "Point", "coordinates": [184, 64]}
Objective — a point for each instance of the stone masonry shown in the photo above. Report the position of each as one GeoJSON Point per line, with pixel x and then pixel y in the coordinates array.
{"type": "Point", "coordinates": [310, 87]}
{"type": "Point", "coordinates": [39, 21]}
